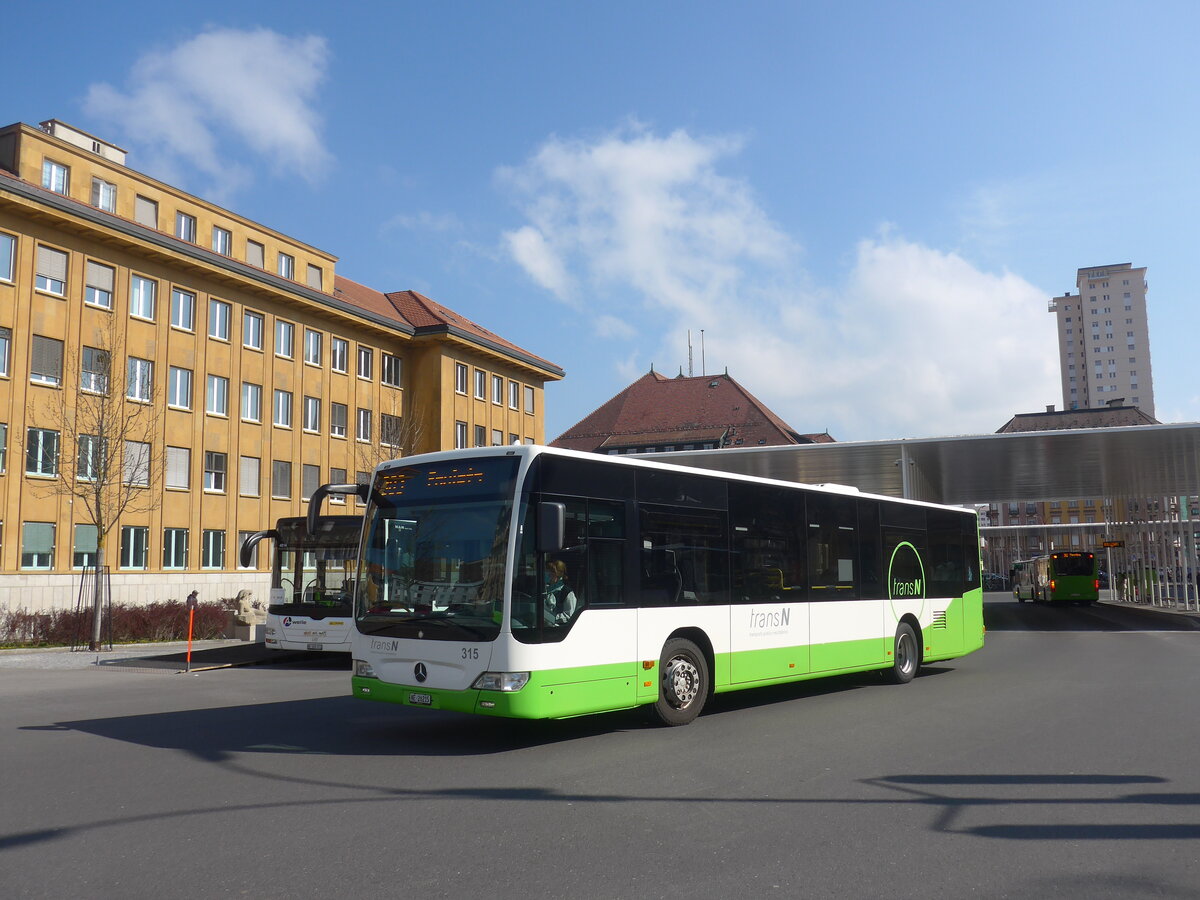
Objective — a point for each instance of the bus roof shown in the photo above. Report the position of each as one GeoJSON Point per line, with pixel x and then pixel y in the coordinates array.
{"type": "Point", "coordinates": [528, 452]}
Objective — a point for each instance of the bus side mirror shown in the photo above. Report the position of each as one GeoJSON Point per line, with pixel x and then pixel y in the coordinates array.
{"type": "Point", "coordinates": [246, 557]}
{"type": "Point", "coordinates": [552, 527]}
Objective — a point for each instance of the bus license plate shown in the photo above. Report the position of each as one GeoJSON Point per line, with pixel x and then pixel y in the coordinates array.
{"type": "Point", "coordinates": [316, 646]}
{"type": "Point", "coordinates": [421, 699]}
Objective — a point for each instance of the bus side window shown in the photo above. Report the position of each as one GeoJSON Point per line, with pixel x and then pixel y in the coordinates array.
{"type": "Point", "coordinates": [831, 546]}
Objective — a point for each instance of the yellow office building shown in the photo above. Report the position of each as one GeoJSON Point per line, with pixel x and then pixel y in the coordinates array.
{"type": "Point", "coordinates": [255, 372]}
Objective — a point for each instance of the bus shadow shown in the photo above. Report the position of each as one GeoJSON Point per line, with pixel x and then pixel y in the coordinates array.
{"type": "Point", "coordinates": [338, 726]}
{"type": "Point", "coordinates": [770, 695]}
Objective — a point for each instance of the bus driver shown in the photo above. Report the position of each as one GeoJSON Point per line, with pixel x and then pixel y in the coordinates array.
{"type": "Point", "coordinates": [559, 600]}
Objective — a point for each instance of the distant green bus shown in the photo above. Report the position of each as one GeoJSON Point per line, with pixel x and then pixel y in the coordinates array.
{"type": "Point", "coordinates": [1064, 577]}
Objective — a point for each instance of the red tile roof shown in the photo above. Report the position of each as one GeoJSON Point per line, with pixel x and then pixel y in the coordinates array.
{"type": "Point", "coordinates": [430, 317]}
{"type": "Point", "coordinates": [656, 410]}
{"type": "Point", "coordinates": [366, 298]}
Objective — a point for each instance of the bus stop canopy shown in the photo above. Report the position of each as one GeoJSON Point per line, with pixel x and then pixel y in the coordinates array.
{"type": "Point", "coordinates": [1139, 461]}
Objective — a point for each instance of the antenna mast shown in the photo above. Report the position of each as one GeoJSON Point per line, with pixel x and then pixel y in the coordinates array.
{"type": "Point", "coordinates": [690, 353]}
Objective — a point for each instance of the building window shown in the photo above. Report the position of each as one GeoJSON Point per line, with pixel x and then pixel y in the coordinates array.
{"type": "Point", "coordinates": [389, 369]}
{"type": "Point", "coordinates": [217, 396]}
{"type": "Point", "coordinates": [137, 463]}
{"type": "Point", "coordinates": [283, 409]}
{"type": "Point", "coordinates": [185, 227]}
{"type": "Point", "coordinates": [175, 548]}
{"type": "Point", "coordinates": [315, 277]}
{"type": "Point", "coordinates": [89, 457]}
{"type": "Point", "coordinates": [5, 350]}
{"type": "Point", "coordinates": [141, 297]}
{"type": "Point", "coordinates": [516, 439]}
{"type": "Point", "coordinates": [251, 402]}
{"type": "Point", "coordinates": [85, 546]}
{"type": "Point", "coordinates": [37, 545]}
{"type": "Point", "coordinates": [362, 430]}
{"type": "Point", "coordinates": [361, 477]}
{"type": "Point", "coordinates": [212, 550]}
{"type": "Point", "coordinates": [284, 334]}
{"type": "Point", "coordinates": [183, 310]}
{"type": "Point", "coordinates": [241, 542]}
{"type": "Point", "coordinates": [93, 370]}
{"type": "Point", "coordinates": [51, 271]}
{"type": "Point", "coordinates": [45, 367]}
{"type": "Point", "coordinates": [281, 479]}
{"type": "Point", "coordinates": [337, 419]}
{"type": "Point", "coordinates": [249, 476]}
{"type": "Point", "coordinates": [56, 177]}
{"type": "Point", "coordinates": [133, 546]}
{"type": "Point", "coordinates": [529, 399]}
{"type": "Point", "coordinates": [366, 359]}
{"type": "Point", "coordinates": [460, 378]}
{"type": "Point", "coordinates": [312, 414]}
{"type": "Point", "coordinates": [252, 330]}
{"type": "Point", "coordinates": [256, 254]}
{"type": "Point", "coordinates": [104, 195]}
{"type": "Point", "coordinates": [41, 452]}
{"type": "Point", "coordinates": [480, 436]}
{"type": "Point", "coordinates": [98, 289]}
{"type": "Point", "coordinates": [222, 241]}
{"type": "Point", "coordinates": [480, 384]}
{"type": "Point", "coordinates": [8, 255]}
{"type": "Point", "coordinates": [3, 451]}
{"type": "Point", "coordinates": [339, 354]}
{"type": "Point", "coordinates": [310, 480]}
{"type": "Point", "coordinates": [179, 387]}
{"type": "Point", "coordinates": [390, 430]}
{"type": "Point", "coordinates": [287, 266]}
{"type": "Point", "coordinates": [145, 211]}
{"type": "Point", "coordinates": [337, 476]}
{"type": "Point", "coordinates": [179, 468]}
{"type": "Point", "coordinates": [140, 379]}
{"type": "Point", "coordinates": [214, 471]}
{"type": "Point", "coordinates": [460, 435]}
{"type": "Point", "coordinates": [514, 395]}
{"type": "Point", "coordinates": [312, 347]}
{"type": "Point", "coordinates": [219, 313]}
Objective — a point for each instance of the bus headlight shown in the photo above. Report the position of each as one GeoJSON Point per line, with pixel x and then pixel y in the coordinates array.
{"type": "Point", "coordinates": [363, 669]}
{"type": "Point", "coordinates": [501, 681]}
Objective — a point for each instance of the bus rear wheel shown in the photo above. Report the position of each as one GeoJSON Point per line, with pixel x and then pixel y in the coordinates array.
{"type": "Point", "coordinates": [907, 656]}
{"type": "Point", "coordinates": [683, 682]}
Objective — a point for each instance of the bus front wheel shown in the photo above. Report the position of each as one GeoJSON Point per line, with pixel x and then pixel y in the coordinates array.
{"type": "Point", "coordinates": [683, 682]}
{"type": "Point", "coordinates": [907, 656]}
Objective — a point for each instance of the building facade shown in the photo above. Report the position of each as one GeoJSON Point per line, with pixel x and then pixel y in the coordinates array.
{"type": "Point", "coordinates": [256, 370]}
{"type": "Point", "coordinates": [1104, 339]}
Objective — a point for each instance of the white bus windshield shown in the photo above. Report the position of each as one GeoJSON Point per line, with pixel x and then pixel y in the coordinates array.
{"type": "Point", "coordinates": [436, 542]}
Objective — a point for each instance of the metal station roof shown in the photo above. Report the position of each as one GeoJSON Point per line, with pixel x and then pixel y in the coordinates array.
{"type": "Point", "coordinates": [1141, 461]}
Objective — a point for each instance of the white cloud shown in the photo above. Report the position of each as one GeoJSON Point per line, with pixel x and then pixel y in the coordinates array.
{"type": "Point", "coordinates": [190, 107]}
{"type": "Point", "coordinates": [916, 341]}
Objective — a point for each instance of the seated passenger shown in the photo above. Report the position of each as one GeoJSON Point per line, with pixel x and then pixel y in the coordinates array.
{"type": "Point", "coordinates": [559, 599]}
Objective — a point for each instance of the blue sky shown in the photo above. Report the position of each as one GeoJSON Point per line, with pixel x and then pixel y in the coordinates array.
{"type": "Point", "coordinates": [865, 206]}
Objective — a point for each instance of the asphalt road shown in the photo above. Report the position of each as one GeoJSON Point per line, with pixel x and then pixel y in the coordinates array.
{"type": "Point", "coordinates": [1059, 761]}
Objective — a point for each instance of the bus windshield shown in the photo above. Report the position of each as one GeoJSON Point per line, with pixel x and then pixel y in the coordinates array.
{"type": "Point", "coordinates": [434, 555]}
{"type": "Point", "coordinates": [1074, 563]}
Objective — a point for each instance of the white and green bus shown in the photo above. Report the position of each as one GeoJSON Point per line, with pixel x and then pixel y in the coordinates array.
{"type": "Point", "coordinates": [531, 582]}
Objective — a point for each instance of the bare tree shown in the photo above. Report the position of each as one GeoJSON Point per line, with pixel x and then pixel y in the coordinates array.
{"type": "Point", "coordinates": [109, 440]}
{"type": "Point", "coordinates": [393, 436]}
